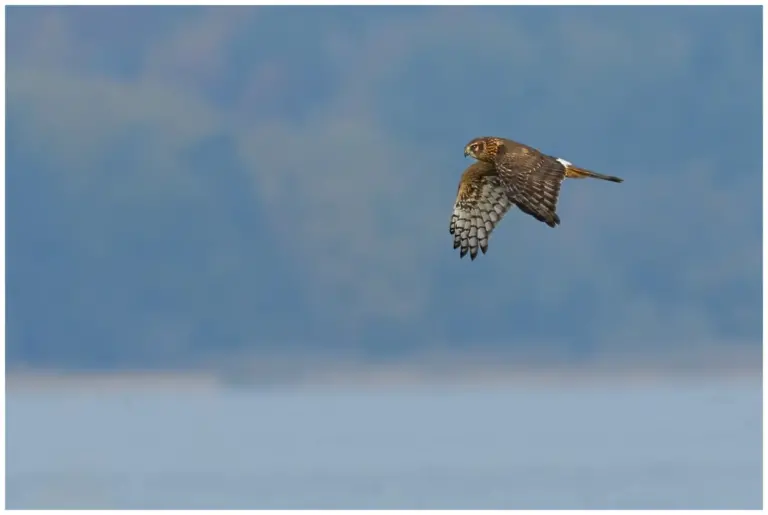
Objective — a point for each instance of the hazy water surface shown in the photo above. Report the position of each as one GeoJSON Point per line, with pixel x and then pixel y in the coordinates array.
{"type": "Point", "coordinates": [689, 444]}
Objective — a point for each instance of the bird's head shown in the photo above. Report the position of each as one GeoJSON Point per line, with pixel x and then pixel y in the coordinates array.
{"type": "Point", "coordinates": [482, 149]}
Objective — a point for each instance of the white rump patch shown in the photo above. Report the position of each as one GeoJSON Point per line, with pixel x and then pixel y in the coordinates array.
{"type": "Point", "coordinates": [564, 162]}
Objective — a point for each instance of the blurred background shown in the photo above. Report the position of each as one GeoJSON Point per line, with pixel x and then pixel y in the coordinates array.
{"type": "Point", "coordinates": [212, 209]}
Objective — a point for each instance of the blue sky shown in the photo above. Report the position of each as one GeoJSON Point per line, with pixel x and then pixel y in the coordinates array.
{"type": "Point", "coordinates": [193, 182]}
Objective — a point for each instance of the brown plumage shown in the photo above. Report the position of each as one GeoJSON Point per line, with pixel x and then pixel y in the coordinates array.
{"type": "Point", "coordinates": [507, 173]}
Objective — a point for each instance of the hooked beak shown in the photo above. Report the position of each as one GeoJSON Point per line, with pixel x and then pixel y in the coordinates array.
{"type": "Point", "coordinates": [466, 152]}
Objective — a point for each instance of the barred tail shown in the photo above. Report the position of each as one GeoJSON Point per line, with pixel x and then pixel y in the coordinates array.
{"type": "Point", "coordinates": [574, 172]}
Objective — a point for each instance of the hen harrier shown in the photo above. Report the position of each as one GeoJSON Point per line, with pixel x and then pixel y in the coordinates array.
{"type": "Point", "coordinates": [507, 173]}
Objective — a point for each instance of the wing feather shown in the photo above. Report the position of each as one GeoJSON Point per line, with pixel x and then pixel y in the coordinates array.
{"type": "Point", "coordinates": [481, 203]}
{"type": "Point", "coordinates": [534, 181]}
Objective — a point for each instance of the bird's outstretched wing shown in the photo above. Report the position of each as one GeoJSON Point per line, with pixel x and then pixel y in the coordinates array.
{"type": "Point", "coordinates": [481, 202]}
{"type": "Point", "coordinates": [534, 181]}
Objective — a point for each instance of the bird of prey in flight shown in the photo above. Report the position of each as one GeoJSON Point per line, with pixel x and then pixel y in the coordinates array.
{"type": "Point", "coordinates": [507, 173]}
